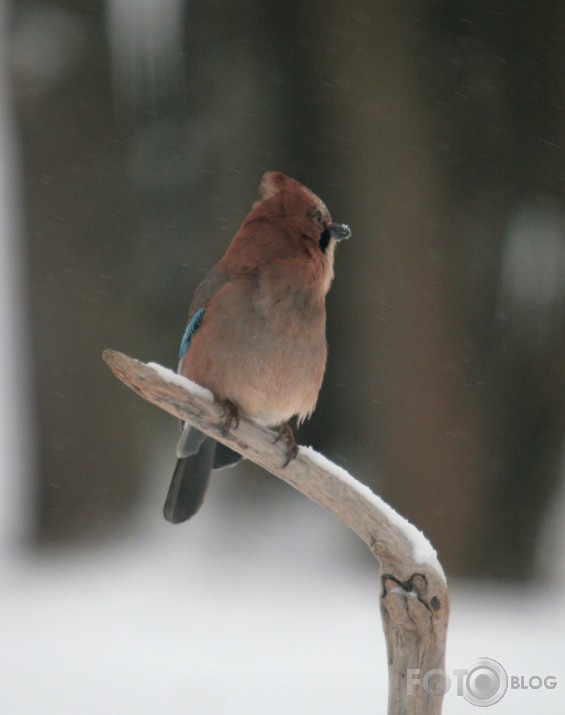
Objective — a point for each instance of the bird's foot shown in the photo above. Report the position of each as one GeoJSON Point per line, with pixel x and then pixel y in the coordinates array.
{"type": "Point", "coordinates": [230, 416]}
{"type": "Point", "coordinates": [286, 433]}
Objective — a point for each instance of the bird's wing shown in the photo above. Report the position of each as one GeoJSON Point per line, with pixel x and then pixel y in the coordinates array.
{"type": "Point", "coordinates": [214, 280]}
{"type": "Point", "coordinates": [202, 296]}
{"type": "Point", "coordinates": [191, 328]}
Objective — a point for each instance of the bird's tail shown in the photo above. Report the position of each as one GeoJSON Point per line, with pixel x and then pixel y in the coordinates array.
{"type": "Point", "coordinates": [189, 483]}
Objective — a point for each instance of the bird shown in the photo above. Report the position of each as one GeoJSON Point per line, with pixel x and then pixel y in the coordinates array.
{"type": "Point", "coordinates": [256, 330]}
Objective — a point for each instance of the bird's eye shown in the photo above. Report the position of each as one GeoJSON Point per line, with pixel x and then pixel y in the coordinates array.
{"type": "Point", "coordinates": [318, 217]}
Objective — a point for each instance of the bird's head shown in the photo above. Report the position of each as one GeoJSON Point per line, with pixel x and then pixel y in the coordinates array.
{"type": "Point", "coordinates": [286, 199]}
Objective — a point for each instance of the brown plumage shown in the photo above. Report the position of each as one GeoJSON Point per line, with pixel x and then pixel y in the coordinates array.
{"type": "Point", "coordinates": [260, 342]}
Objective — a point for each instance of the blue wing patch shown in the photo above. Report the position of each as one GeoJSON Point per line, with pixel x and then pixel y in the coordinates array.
{"type": "Point", "coordinates": [191, 328]}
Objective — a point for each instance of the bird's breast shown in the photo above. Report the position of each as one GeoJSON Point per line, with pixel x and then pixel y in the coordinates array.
{"type": "Point", "coordinates": [262, 344]}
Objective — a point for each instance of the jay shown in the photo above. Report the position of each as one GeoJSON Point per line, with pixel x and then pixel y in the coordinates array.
{"type": "Point", "coordinates": [256, 331]}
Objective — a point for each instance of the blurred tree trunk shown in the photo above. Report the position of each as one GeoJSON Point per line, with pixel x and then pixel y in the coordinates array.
{"type": "Point", "coordinates": [455, 108]}
{"type": "Point", "coordinates": [80, 234]}
{"type": "Point", "coordinates": [524, 358]}
{"type": "Point", "coordinates": [497, 81]}
{"type": "Point", "coordinates": [425, 125]}
{"type": "Point", "coordinates": [134, 185]}
{"type": "Point", "coordinates": [418, 402]}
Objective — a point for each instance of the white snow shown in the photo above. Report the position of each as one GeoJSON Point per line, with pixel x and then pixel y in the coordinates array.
{"type": "Point", "coordinates": [239, 612]}
{"type": "Point", "coordinates": [174, 378]}
{"type": "Point", "coordinates": [423, 551]}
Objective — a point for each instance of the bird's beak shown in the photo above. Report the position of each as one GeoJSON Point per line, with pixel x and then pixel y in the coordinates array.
{"type": "Point", "coordinates": [339, 231]}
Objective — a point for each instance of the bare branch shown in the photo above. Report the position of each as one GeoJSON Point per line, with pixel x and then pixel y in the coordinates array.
{"type": "Point", "coordinates": [414, 600]}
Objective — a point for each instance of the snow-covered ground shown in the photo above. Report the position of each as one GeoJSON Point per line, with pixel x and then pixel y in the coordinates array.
{"type": "Point", "coordinates": [242, 614]}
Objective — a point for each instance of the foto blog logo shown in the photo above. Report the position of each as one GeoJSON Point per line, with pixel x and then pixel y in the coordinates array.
{"type": "Point", "coordinates": [483, 682]}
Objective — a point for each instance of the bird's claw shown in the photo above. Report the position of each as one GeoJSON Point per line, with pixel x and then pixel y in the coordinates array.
{"type": "Point", "coordinates": [230, 416]}
{"type": "Point", "coordinates": [286, 433]}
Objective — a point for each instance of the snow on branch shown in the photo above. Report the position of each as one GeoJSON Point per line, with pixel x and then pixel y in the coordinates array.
{"type": "Point", "coordinates": [414, 599]}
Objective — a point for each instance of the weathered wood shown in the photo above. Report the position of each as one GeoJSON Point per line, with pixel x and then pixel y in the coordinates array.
{"type": "Point", "coordinates": [414, 599]}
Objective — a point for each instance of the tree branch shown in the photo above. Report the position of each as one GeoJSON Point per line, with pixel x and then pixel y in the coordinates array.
{"type": "Point", "coordinates": [414, 600]}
